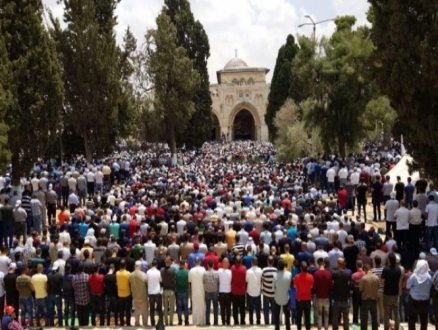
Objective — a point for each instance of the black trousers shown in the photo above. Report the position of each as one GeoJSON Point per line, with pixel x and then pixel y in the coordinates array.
{"type": "Point", "coordinates": [98, 307]}
{"type": "Point", "coordinates": [64, 193]}
{"type": "Point", "coordinates": [225, 304]}
{"type": "Point", "coordinates": [113, 304]}
{"type": "Point", "coordinates": [362, 205]}
{"type": "Point", "coordinates": [414, 237]}
{"type": "Point", "coordinates": [390, 227]}
{"type": "Point", "coordinates": [51, 212]}
{"type": "Point", "coordinates": [371, 307]}
{"type": "Point", "coordinates": [357, 300]}
{"type": "Point", "coordinates": [303, 308]}
{"type": "Point", "coordinates": [156, 304]}
{"type": "Point", "coordinates": [286, 312]}
{"type": "Point", "coordinates": [238, 308]}
{"type": "Point", "coordinates": [418, 309]}
{"type": "Point", "coordinates": [402, 237]}
{"type": "Point", "coordinates": [83, 312]}
{"type": "Point", "coordinates": [125, 305]}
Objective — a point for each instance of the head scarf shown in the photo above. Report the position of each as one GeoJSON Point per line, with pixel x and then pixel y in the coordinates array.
{"type": "Point", "coordinates": [421, 271]}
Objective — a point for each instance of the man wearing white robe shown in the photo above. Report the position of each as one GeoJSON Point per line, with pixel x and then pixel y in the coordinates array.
{"type": "Point", "coordinates": [196, 276]}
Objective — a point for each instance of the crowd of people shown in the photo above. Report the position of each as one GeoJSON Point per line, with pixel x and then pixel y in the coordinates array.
{"type": "Point", "coordinates": [227, 232]}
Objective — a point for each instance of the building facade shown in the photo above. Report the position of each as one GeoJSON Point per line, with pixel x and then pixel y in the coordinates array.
{"type": "Point", "coordinates": [239, 102]}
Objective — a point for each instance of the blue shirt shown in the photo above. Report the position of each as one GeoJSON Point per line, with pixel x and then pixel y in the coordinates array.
{"type": "Point", "coordinates": [419, 291]}
{"type": "Point", "coordinates": [292, 298]}
{"type": "Point", "coordinates": [267, 236]}
{"type": "Point", "coordinates": [409, 189]}
{"type": "Point", "coordinates": [83, 228]}
{"type": "Point", "coordinates": [247, 261]}
{"type": "Point", "coordinates": [292, 233]}
{"type": "Point", "coordinates": [192, 257]}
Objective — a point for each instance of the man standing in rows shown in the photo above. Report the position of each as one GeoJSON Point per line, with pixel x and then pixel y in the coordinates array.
{"type": "Point", "coordinates": [254, 284]}
{"type": "Point", "coordinates": [168, 281]}
{"type": "Point", "coordinates": [196, 276]}
{"type": "Point", "coordinates": [303, 283]}
{"type": "Point", "coordinates": [391, 278]}
{"type": "Point", "coordinates": [182, 293]}
{"type": "Point", "coordinates": [124, 294]}
{"type": "Point", "coordinates": [153, 279]}
{"type": "Point", "coordinates": [39, 283]}
{"type": "Point", "coordinates": [281, 284]}
{"type": "Point", "coordinates": [341, 294]}
{"type": "Point", "coordinates": [97, 292]}
{"type": "Point", "coordinates": [268, 276]}
{"type": "Point", "coordinates": [369, 286]}
{"type": "Point", "coordinates": [238, 290]}
{"type": "Point", "coordinates": [225, 291]}
{"type": "Point", "coordinates": [322, 286]}
{"type": "Point", "coordinates": [137, 279]}
{"type": "Point", "coordinates": [211, 286]}
{"type": "Point", "coordinates": [82, 294]}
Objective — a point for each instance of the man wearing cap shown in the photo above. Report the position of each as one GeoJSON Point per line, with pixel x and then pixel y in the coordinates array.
{"type": "Point", "coordinates": [195, 254]}
{"type": "Point", "coordinates": [20, 216]}
{"type": "Point", "coordinates": [137, 279]}
{"type": "Point", "coordinates": [54, 292]}
{"type": "Point", "coordinates": [9, 282]}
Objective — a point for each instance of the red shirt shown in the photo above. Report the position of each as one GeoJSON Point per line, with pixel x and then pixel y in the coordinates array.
{"type": "Point", "coordinates": [132, 210]}
{"type": "Point", "coordinates": [132, 228]}
{"type": "Point", "coordinates": [214, 257]}
{"type": "Point", "coordinates": [322, 283]}
{"type": "Point", "coordinates": [238, 280]}
{"type": "Point", "coordinates": [342, 197]}
{"type": "Point", "coordinates": [356, 277]}
{"type": "Point", "coordinates": [304, 283]}
{"type": "Point", "coordinates": [96, 284]}
{"type": "Point", "coordinates": [255, 236]}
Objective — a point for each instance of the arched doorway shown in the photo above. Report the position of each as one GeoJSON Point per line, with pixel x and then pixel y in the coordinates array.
{"type": "Point", "coordinates": [244, 126]}
{"type": "Point", "coordinates": [216, 131]}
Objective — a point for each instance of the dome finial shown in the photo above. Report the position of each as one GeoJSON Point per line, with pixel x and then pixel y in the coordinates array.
{"type": "Point", "coordinates": [235, 53]}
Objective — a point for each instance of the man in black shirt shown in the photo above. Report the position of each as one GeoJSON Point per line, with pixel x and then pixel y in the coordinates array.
{"type": "Point", "coordinates": [376, 198]}
{"type": "Point", "coordinates": [110, 284]}
{"type": "Point", "coordinates": [68, 294]}
{"type": "Point", "coordinates": [341, 294]}
{"type": "Point", "coordinates": [399, 189]}
{"type": "Point", "coordinates": [391, 278]}
{"type": "Point", "coordinates": [361, 193]}
{"type": "Point", "coordinates": [54, 296]}
{"type": "Point", "coordinates": [72, 260]}
{"type": "Point", "coordinates": [351, 252]}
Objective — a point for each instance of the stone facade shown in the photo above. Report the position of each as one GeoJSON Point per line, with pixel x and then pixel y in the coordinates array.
{"type": "Point", "coordinates": [239, 102]}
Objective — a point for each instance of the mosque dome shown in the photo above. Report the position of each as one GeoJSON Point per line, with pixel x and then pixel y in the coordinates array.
{"type": "Point", "coordinates": [235, 63]}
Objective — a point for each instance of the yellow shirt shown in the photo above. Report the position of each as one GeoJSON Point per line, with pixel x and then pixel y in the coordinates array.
{"type": "Point", "coordinates": [106, 170]}
{"type": "Point", "coordinates": [39, 283]}
{"type": "Point", "coordinates": [123, 287]}
{"type": "Point", "coordinates": [289, 259]}
{"type": "Point", "coordinates": [230, 238]}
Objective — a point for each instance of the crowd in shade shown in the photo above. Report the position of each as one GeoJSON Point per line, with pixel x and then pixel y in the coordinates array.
{"type": "Point", "coordinates": [228, 236]}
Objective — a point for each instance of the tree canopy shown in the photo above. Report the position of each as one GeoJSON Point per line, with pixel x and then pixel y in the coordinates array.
{"type": "Point", "coordinates": [405, 35]}
{"type": "Point", "coordinates": [191, 35]}
{"type": "Point", "coordinates": [35, 84]}
{"type": "Point", "coordinates": [174, 79]}
{"type": "Point", "coordinates": [280, 83]}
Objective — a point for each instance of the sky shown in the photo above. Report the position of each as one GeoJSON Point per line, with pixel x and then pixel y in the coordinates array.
{"type": "Point", "coordinates": [256, 28]}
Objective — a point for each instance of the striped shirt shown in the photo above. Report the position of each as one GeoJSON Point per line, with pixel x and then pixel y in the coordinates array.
{"type": "Point", "coordinates": [378, 273]}
{"type": "Point", "coordinates": [36, 207]}
{"type": "Point", "coordinates": [25, 204]}
{"type": "Point", "coordinates": [268, 275]}
{"type": "Point", "coordinates": [239, 247]}
{"type": "Point", "coordinates": [211, 281]}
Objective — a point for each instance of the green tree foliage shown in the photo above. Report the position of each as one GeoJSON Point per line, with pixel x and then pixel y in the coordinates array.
{"type": "Point", "coordinates": [192, 36]}
{"type": "Point", "coordinates": [405, 37]}
{"type": "Point", "coordinates": [342, 87]}
{"type": "Point", "coordinates": [293, 139]}
{"type": "Point", "coordinates": [174, 79]}
{"type": "Point", "coordinates": [96, 74]}
{"type": "Point", "coordinates": [37, 94]}
{"type": "Point", "coordinates": [281, 82]}
{"type": "Point", "coordinates": [5, 99]}
{"type": "Point", "coordinates": [303, 70]}
{"type": "Point", "coordinates": [379, 117]}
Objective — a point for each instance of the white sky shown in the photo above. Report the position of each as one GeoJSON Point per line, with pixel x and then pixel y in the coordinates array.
{"type": "Point", "coordinates": [257, 28]}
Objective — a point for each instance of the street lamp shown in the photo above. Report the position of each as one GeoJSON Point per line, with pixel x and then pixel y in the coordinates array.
{"type": "Point", "coordinates": [315, 24]}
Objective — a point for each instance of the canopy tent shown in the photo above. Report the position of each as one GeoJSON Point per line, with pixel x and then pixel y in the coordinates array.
{"type": "Point", "coordinates": [401, 169]}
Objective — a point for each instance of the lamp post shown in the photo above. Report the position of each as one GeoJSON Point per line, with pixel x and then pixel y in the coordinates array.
{"type": "Point", "coordinates": [314, 24]}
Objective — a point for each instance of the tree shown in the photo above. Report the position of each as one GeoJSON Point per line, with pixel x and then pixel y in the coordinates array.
{"type": "Point", "coordinates": [174, 79]}
{"type": "Point", "coordinates": [5, 99]}
{"type": "Point", "coordinates": [280, 83]}
{"type": "Point", "coordinates": [192, 36]}
{"type": "Point", "coordinates": [404, 34]}
{"type": "Point", "coordinates": [342, 87]}
{"type": "Point", "coordinates": [34, 112]}
{"type": "Point", "coordinates": [379, 117]}
{"type": "Point", "coordinates": [96, 73]}
{"type": "Point", "coordinates": [293, 139]}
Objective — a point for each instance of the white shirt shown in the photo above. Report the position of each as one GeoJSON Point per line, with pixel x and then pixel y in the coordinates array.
{"type": "Point", "coordinates": [355, 177]}
{"type": "Point", "coordinates": [72, 184]}
{"type": "Point", "coordinates": [432, 214]}
{"type": "Point", "coordinates": [343, 173]}
{"type": "Point", "coordinates": [180, 226]}
{"type": "Point", "coordinates": [254, 280]}
{"type": "Point", "coordinates": [224, 280]}
{"type": "Point", "coordinates": [98, 177]}
{"type": "Point", "coordinates": [35, 184]}
{"type": "Point", "coordinates": [90, 177]}
{"type": "Point", "coordinates": [149, 249]}
{"type": "Point", "coordinates": [342, 235]}
{"type": "Point", "coordinates": [402, 218]}
{"type": "Point", "coordinates": [153, 278]}
{"type": "Point", "coordinates": [320, 254]}
{"type": "Point", "coordinates": [331, 175]}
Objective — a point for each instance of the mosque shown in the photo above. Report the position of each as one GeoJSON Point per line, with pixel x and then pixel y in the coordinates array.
{"type": "Point", "coordinates": [240, 99]}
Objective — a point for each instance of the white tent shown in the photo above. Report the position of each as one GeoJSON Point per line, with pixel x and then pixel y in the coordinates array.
{"type": "Point", "coordinates": [401, 169]}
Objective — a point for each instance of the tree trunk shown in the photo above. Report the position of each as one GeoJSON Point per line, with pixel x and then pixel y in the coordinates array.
{"type": "Point", "coordinates": [88, 153]}
{"type": "Point", "coordinates": [172, 145]}
{"type": "Point", "coordinates": [387, 138]}
{"type": "Point", "coordinates": [341, 147]}
{"type": "Point", "coordinates": [16, 168]}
